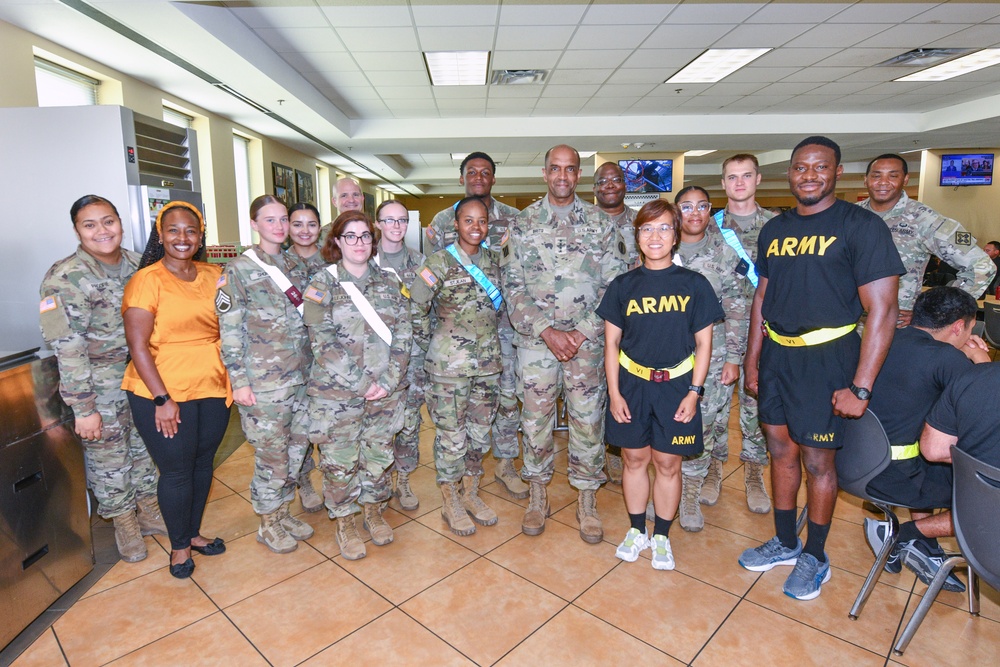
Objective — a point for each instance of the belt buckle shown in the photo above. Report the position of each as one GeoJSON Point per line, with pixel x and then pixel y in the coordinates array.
{"type": "Point", "coordinates": [659, 376]}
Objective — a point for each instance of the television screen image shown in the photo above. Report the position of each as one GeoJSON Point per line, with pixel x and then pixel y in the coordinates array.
{"type": "Point", "coordinates": [967, 169]}
{"type": "Point", "coordinates": [648, 175]}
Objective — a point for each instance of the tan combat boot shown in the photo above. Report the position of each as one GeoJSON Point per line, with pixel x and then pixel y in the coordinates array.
{"type": "Point", "coordinates": [480, 512]}
{"type": "Point", "coordinates": [407, 499]}
{"type": "Point", "coordinates": [615, 468]}
{"type": "Point", "coordinates": [311, 501]}
{"type": "Point", "coordinates": [690, 511]}
{"type": "Point", "coordinates": [757, 499]}
{"type": "Point", "coordinates": [273, 536]}
{"type": "Point", "coordinates": [376, 526]}
{"type": "Point", "coordinates": [149, 516]}
{"type": "Point", "coordinates": [506, 474]}
{"type": "Point", "coordinates": [128, 538]}
{"type": "Point", "coordinates": [351, 546]}
{"type": "Point", "coordinates": [533, 522]}
{"type": "Point", "coordinates": [298, 530]}
{"type": "Point", "coordinates": [453, 512]}
{"type": "Point", "coordinates": [712, 484]}
{"type": "Point", "coordinates": [591, 530]}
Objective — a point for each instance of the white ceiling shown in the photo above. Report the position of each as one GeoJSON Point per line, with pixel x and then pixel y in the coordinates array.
{"type": "Point", "coordinates": [351, 75]}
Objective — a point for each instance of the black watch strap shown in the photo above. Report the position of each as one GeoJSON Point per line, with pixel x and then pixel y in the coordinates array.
{"type": "Point", "coordinates": [161, 400]}
{"type": "Point", "coordinates": [862, 393]}
{"type": "Point", "coordinates": [700, 390]}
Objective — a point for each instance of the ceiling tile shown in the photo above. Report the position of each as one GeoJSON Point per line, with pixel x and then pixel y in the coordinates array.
{"type": "Point", "coordinates": [454, 15]}
{"type": "Point", "coordinates": [797, 12]}
{"type": "Point", "coordinates": [672, 36]}
{"type": "Point", "coordinates": [337, 79]}
{"type": "Point", "coordinates": [462, 104]}
{"type": "Point", "coordinates": [820, 74]}
{"type": "Point", "coordinates": [664, 60]}
{"type": "Point", "coordinates": [378, 39]}
{"type": "Point", "coordinates": [843, 88]}
{"type": "Point", "coordinates": [466, 38]}
{"type": "Point", "coordinates": [782, 88]}
{"type": "Point", "coordinates": [459, 92]}
{"type": "Point", "coordinates": [409, 102]}
{"type": "Point", "coordinates": [757, 36]}
{"type": "Point", "coordinates": [624, 76]}
{"type": "Point", "coordinates": [978, 36]}
{"type": "Point", "coordinates": [280, 17]}
{"type": "Point", "coordinates": [396, 78]}
{"type": "Point", "coordinates": [911, 35]}
{"type": "Point", "coordinates": [596, 58]}
{"type": "Point", "coordinates": [507, 103]}
{"type": "Point", "coordinates": [765, 74]}
{"type": "Point", "coordinates": [300, 39]}
{"type": "Point", "coordinates": [613, 91]}
{"type": "Point", "coordinates": [790, 57]}
{"type": "Point", "coordinates": [602, 13]}
{"type": "Point", "coordinates": [619, 103]}
{"type": "Point", "coordinates": [569, 76]}
{"type": "Point", "coordinates": [315, 61]}
{"type": "Point", "coordinates": [541, 14]}
{"type": "Point", "coordinates": [357, 93]}
{"type": "Point", "coordinates": [687, 90]}
{"type": "Point", "coordinates": [714, 12]}
{"type": "Point", "coordinates": [586, 91]}
{"type": "Point", "coordinates": [857, 57]}
{"type": "Point", "coordinates": [710, 102]}
{"type": "Point", "coordinates": [516, 59]}
{"type": "Point", "coordinates": [970, 12]}
{"type": "Point", "coordinates": [609, 36]}
{"type": "Point", "coordinates": [734, 88]}
{"type": "Point", "coordinates": [842, 35]}
{"type": "Point", "coordinates": [374, 61]}
{"type": "Point", "coordinates": [882, 12]}
{"type": "Point", "coordinates": [524, 90]}
{"type": "Point", "coordinates": [878, 74]}
{"type": "Point", "coordinates": [531, 37]}
{"type": "Point", "coordinates": [385, 16]}
{"type": "Point", "coordinates": [563, 103]}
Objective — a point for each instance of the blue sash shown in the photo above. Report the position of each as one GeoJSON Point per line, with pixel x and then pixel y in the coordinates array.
{"type": "Point", "coordinates": [477, 274]}
{"type": "Point", "coordinates": [733, 240]}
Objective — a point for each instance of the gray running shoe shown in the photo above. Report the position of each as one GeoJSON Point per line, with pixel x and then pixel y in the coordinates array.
{"type": "Point", "coordinates": [805, 580]}
{"type": "Point", "coordinates": [925, 561]}
{"type": "Point", "coordinates": [875, 532]}
{"type": "Point", "coordinates": [770, 554]}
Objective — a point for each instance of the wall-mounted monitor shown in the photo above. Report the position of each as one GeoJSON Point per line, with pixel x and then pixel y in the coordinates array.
{"type": "Point", "coordinates": [648, 175]}
{"type": "Point", "coordinates": [967, 169]}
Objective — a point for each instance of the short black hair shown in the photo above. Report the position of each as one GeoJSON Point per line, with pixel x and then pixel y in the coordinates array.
{"type": "Point", "coordinates": [86, 201]}
{"type": "Point", "coordinates": [995, 244]}
{"type": "Point", "coordinates": [819, 141]}
{"type": "Point", "coordinates": [477, 155]}
{"type": "Point", "coordinates": [465, 200]}
{"type": "Point", "coordinates": [684, 191]}
{"type": "Point", "coordinates": [940, 307]}
{"type": "Point", "coordinates": [888, 156]}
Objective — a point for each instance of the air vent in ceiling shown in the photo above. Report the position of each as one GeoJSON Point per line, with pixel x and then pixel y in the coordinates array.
{"type": "Point", "coordinates": [517, 77]}
{"type": "Point", "coordinates": [922, 57]}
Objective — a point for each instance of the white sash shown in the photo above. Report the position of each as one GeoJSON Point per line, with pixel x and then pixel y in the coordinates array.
{"type": "Point", "coordinates": [279, 278]}
{"type": "Point", "coordinates": [365, 308]}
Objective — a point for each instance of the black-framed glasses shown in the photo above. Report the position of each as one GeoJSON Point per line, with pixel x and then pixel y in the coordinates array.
{"type": "Point", "coordinates": [701, 207]}
{"type": "Point", "coordinates": [353, 239]}
{"type": "Point", "coordinates": [395, 222]}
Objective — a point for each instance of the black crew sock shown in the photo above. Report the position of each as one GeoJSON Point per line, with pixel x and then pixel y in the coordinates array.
{"type": "Point", "coordinates": [661, 526]}
{"type": "Point", "coordinates": [784, 527]}
{"type": "Point", "coordinates": [908, 531]}
{"type": "Point", "coordinates": [638, 521]}
{"type": "Point", "coordinates": [816, 541]}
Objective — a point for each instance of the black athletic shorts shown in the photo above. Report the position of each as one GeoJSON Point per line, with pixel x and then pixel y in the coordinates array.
{"type": "Point", "coordinates": [914, 483]}
{"type": "Point", "coordinates": [796, 386]}
{"type": "Point", "coordinates": [652, 406]}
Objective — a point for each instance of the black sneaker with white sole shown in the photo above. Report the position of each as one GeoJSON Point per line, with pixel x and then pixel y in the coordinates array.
{"type": "Point", "coordinates": [925, 561]}
{"type": "Point", "coordinates": [876, 532]}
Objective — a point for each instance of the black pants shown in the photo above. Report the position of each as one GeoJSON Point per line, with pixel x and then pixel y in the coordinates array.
{"type": "Point", "coordinates": [184, 461]}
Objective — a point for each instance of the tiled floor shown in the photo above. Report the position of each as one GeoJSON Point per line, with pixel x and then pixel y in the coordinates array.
{"type": "Point", "coordinates": [500, 597]}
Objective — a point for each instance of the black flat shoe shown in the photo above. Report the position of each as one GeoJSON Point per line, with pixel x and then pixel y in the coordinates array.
{"type": "Point", "coordinates": [182, 570]}
{"type": "Point", "coordinates": [213, 548]}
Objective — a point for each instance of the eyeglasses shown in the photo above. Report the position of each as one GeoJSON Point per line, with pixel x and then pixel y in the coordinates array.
{"type": "Point", "coordinates": [690, 208]}
{"type": "Point", "coordinates": [617, 180]}
{"type": "Point", "coordinates": [647, 230]}
{"type": "Point", "coordinates": [352, 239]}
{"type": "Point", "coordinates": [395, 222]}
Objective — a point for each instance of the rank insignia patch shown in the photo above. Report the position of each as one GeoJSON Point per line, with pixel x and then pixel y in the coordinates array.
{"type": "Point", "coordinates": [222, 302]}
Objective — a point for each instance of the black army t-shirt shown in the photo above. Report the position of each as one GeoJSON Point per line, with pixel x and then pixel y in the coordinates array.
{"type": "Point", "coordinates": [968, 408]}
{"type": "Point", "coordinates": [659, 311]}
{"type": "Point", "coordinates": [815, 263]}
{"type": "Point", "coordinates": [915, 373]}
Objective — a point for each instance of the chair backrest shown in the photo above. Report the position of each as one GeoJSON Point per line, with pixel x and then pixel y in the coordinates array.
{"type": "Point", "coordinates": [975, 498]}
{"type": "Point", "coordinates": [991, 323]}
{"type": "Point", "coordinates": [864, 455]}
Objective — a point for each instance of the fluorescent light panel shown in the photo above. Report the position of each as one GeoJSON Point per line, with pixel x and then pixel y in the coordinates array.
{"type": "Point", "coordinates": [956, 67]}
{"type": "Point", "coordinates": [715, 65]}
{"type": "Point", "coordinates": [457, 68]}
{"type": "Point", "coordinates": [587, 154]}
{"type": "Point", "coordinates": [698, 153]}
{"type": "Point", "coordinates": [458, 156]}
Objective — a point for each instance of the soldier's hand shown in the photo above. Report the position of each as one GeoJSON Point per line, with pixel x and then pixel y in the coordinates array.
{"type": "Point", "coordinates": [89, 427]}
{"type": "Point", "coordinates": [977, 350]}
{"type": "Point", "coordinates": [846, 404]}
{"type": "Point", "coordinates": [687, 409]}
{"type": "Point", "coordinates": [244, 396]}
{"type": "Point", "coordinates": [750, 377]}
{"type": "Point", "coordinates": [730, 373]}
{"type": "Point", "coordinates": [561, 343]}
{"type": "Point", "coordinates": [904, 318]}
{"type": "Point", "coordinates": [619, 409]}
{"type": "Point", "coordinates": [168, 416]}
{"type": "Point", "coordinates": [375, 392]}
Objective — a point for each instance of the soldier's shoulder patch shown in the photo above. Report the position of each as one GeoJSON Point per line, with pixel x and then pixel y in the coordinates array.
{"type": "Point", "coordinates": [621, 249]}
{"type": "Point", "coordinates": [314, 295]}
{"type": "Point", "coordinates": [428, 277]}
{"type": "Point", "coordinates": [506, 236]}
{"type": "Point", "coordinates": [963, 238]}
{"type": "Point", "coordinates": [431, 233]}
{"type": "Point", "coordinates": [47, 304]}
{"type": "Point", "coordinates": [223, 302]}
{"type": "Point", "coordinates": [221, 282]}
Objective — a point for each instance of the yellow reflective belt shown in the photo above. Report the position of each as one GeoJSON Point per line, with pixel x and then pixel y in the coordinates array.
{"type": "Point", "coordinates": [814, 337]}
{"type": "Point", "coordinates": [655, 374]}
{"type": "Point", "coordinates": [904, 452]}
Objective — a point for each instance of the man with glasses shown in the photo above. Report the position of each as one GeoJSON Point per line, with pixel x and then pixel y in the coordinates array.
{"type": "Point", "coordinates": [564, 252]}
{"type": "Point", "coordinates": [477, 175]}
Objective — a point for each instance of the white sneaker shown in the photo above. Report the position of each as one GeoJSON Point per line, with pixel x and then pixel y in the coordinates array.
{"type": "Point", "coordinates": [633, 544]}
{"type": "Point", "coordinates": [663, 557]}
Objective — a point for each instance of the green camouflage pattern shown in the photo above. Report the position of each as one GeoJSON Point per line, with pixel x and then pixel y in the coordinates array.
{"type": "Point", "coordinates": [275, 427]}
{"type": "Point", "coordinates": [624, 222]}
{"type": "Point", "coordinates": [462, 409]}
{"type": "Point", "coordinates": [441, 233]}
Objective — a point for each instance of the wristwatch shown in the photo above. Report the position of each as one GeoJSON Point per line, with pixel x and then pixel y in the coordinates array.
{"type": "Point", "coordinates": [697, 389]}
{"type": "Point", "coordinates": [161, 400]}
{"type": "Point", "coordinates": [862, 393]}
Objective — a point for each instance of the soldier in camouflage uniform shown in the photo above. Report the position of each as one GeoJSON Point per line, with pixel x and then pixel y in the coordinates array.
{"type": "Point", "coordinates": [392, 219]}
{"type": "Point", "coordinates": [477, 175]}
{"type": "Point", "coordinates": [463, 361]}
{"type": "Point", "coordinates": [348, 197]}
{"type": "Point", "coordinates": [266, 351]}
{"type": "Point", "coordinates": [920, 232]}
{"type": "Point", "coordinates": [359, 329]}
{"type": "Point", "coordinates": [704, 251]}
{"type": "Point", "coordinates": [563, 255]}
{"type": "Point", "coordinates": [81, 320]}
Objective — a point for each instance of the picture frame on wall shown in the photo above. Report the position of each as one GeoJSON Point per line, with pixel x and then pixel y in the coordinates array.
{"type": "Point", "coordinates": [305, 190]}
{"type": "Point", "coordinates": [370, 206]}
{"type": "Point", "coordinates": [284, 183]}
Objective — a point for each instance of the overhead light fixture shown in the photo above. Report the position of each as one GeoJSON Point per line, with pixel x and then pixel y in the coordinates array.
{"type": "Point", "coordinates": [957, 67]}
{"type": "Point", "coordinates": [922, 57]}
{"type": "Point", "coordinates": [517, 77]}
{"type": "Point", "coordinates": [457, 68]}
{"type": "Point", "coordinates": [458, 156]}
{"type": "Point", "coordinates": [587, 154]}
{"type": "Point", "coordinates": [716, 64]}
{"type": "Point", "coordinates": [697, 153]}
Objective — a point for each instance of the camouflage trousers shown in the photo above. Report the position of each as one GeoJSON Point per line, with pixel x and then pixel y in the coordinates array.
{"type": "Point", "coordinates": [462, 410]}
{"type": "Point", "coordinates": [508, 415]}
{"type": "Point", "coordinates": [714, 409]}
{"type": "Point", "coordinates": [119, 469]}
{"type": "Point", "coordinates": [275, 428]}
{"type": "Point", "coordinates": [581, 381]}
{"type": "Point", "coordinates": [354, 437]}
{"type": "Point", "coordinates": [406, 443]}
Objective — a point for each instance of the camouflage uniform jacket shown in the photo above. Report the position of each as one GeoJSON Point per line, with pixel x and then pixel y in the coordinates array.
{"type": "Point", "coordinates": [405, 264]}
{"type": "Point", "coordinates": [464, 342]}
{"type": "Point", "coordinates": [441, 232]}
{"type": "Point", "coordinates": [350, 356]}
{"type": "Point", "coordinates": [920, 232]}
{"type": "Point", "coordinates": [558, 271]}
{"type": "Point", "coordinates": [81, 319]}
{"type": "Point", "coordinates": [713, 258]}
{"type": "Point", "coordinates": [748, 239]}
{"type": "Point", "coordinates": [313, 264]}
{"type": "Point", "coordinates": [264, 342]}
{"type": "Point", "coordinates": [624, 222]}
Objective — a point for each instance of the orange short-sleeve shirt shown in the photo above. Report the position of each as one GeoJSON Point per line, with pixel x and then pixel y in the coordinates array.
{"type": "Point", "coordinates": [185, 340]}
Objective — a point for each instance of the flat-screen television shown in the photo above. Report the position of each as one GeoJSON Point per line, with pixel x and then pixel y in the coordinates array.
{"type": "Point", "coordinates": [648, 175]}
{"type": "Point", "coordinates": [966, 169]}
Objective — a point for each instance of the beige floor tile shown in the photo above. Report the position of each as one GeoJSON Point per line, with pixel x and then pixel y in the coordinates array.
{"type": "Point", "coordinates": [249, 567]}
{"type": "Point", "coordinates": [711, 556]}
{"type": "Point", "coordinates": [244, 450]}
{"type": "Point", "coordinates": [669, 610]}
{"type": "Point", "coordinates": [951, 637]}
{"type": "Point", "coordinates": [44, 652]}
{"type": "Point", "coordinates": [464, 608]}
{"type": "Point", "coordinates": [210, 641]}
{"type": "Point", "coordinates": [236, 473]}
{"type": "Point", "coordinates": [218, 490]}
{"type": "Point", "coordinates": [288, 622]}
{"type": "Point", "coordinates": [486, 538]}
{"type": "Point", "coordinates": [230, 518]}
{"type": "Point", "coordinates": [157, 557]}
{"type": "Point", "coordinates": [122, 619]}
{"type": "Point", "coordinates": [989, 598]}
{"type": "Point", "coordinates": [544, 560]}
{"type": "Point", "coordinates": [416, 559]}
{"type": "Point", "coordinates": [732, 514]}
{"type": "Point", "coordinates": [574, 637]}
{"type": "Point", "coordinates": [753, 635]}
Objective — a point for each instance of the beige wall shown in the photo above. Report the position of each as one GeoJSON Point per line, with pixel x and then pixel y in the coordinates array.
{"type": "Point", "coordinates": [977, 207]}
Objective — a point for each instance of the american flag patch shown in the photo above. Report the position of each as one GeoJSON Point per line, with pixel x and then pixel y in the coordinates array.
{"type": "Point", "coordinates": [506, 235]}
{"type": "Point", "coordinates": [47, 304]}
{"type": "Point", "coordinates": [428, 277]}
{"type": "Point", "coordinates": [221, 282]}
{"type": "Point", "coordinates": [314, 294]}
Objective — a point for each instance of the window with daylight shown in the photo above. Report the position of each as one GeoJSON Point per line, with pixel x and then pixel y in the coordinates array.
{"type": "Point", "coordinates": [60, 86]}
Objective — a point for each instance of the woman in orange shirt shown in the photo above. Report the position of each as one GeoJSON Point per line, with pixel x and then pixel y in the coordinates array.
{"type": "Point", "coordinates": [177, 387]}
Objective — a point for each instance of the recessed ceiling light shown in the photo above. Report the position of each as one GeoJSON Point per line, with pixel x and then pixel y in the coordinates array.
{"type": "Point", "coordinates": [922, 57]}
{"type": "Point", "coordinates": [697, 153]}
{"type": "Point", "coordinates": [587, 154]}
{"type": "Point", "coordinates": [457, 68]}
{"type": "Point", "coordinates": [956, 67]}
{"type": "Point", "coordinates": [715, 65]}
{"type": "Point", "coordinates": [458, 156]}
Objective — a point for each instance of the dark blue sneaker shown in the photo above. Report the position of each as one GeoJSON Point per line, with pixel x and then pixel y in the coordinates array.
{"type": "Point", "coordinates": [805, 580]}
{"type": "Point", "coordinates": [770, 554]}
{"type": "Point", "coordinates": [925, 560]}
{"type": "Point", "coordinates": [875, 533]}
